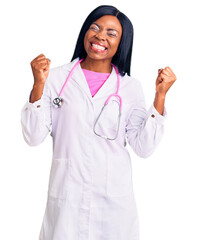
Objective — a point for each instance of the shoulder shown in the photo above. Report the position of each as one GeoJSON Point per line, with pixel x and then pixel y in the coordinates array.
{"type": "Point", "coordinates": [131, 90]}
{"type": "Point", "coordinates": [131, 83]}
{"type": "Point", "coordinates": [63, 68]}
{"type": "Point", "coordinates": [60, 72]}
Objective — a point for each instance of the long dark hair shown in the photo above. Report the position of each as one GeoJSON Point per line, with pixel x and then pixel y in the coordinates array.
{"type": "Point", "coordinates": [122, 58]}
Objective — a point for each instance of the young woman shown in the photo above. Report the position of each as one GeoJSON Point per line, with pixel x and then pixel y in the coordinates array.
{"type": "Point", "coordinates": [90, 194]}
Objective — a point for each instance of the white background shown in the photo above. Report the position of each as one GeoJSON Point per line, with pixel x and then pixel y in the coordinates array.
{"type": "Point", "coordinates": [165, 183]}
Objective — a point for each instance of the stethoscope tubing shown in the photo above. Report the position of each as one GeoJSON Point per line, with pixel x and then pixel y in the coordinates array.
{"type": "Point", "coordinates": [57, 101]}
{"type": "Point", "coordinates": [69, 76]}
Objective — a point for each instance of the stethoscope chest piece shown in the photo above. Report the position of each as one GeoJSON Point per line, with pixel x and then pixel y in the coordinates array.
{"type": "Point", "coordinates": [58, 102]}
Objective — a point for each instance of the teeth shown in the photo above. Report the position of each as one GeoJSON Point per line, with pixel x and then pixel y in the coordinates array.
{"type": "Point", "coordinates": [98, 46]}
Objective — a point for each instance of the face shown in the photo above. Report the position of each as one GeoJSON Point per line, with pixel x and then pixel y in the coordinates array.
{"type": "Point", "coordinates": [102, 39]}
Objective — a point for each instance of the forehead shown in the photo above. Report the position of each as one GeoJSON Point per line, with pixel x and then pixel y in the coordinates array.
{"type": "Point", "coordinates": [109, 21]}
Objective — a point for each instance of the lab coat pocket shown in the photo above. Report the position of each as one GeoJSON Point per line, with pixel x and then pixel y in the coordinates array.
{"type": "Point", "coordinates": [108, 120]}
{"type": "Point", "coordinates": [119, 180]}
{"type": "Point", "coordinates": [58, 182]}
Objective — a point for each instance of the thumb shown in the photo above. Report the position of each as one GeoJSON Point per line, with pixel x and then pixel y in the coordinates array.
{"type": "Point", "coordinates": [48, 64]}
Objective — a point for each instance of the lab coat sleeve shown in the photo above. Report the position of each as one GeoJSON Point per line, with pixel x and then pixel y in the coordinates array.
{"type": "Point", "coordinates": [36, 119]}
{"type": "Point", "coordinates": [144, 128]}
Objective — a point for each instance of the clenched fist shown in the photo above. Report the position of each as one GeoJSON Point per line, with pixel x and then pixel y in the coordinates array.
{"type": "Point", "coordinates": [164, 81]}
{"type": "Point", "coordinates": [40, 68]}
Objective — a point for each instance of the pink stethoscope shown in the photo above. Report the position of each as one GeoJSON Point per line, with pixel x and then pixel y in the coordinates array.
{"type": "Point", "coordinates": [58, 101]}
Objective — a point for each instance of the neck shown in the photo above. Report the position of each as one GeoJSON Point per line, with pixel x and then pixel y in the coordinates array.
{"type": "Point", "coordinates": [103, 66]}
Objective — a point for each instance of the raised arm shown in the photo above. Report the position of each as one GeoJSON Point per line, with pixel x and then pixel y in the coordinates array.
{"type": "Point", "coordinates": [145, 128]}
{"type": "Point", "coordinates": [164, 81]}
{"type": "Point", "coordinates": [36, 114]}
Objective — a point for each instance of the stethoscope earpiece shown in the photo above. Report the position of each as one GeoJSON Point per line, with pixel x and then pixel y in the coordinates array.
{"type": "Point", "coordinates": [58, 102]}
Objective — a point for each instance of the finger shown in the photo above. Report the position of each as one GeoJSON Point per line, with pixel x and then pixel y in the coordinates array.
{"type": "Point", "coordinates": [38, 64]}
{"type": "Point", "coordinates": [39, 67]}
{"type": "Point", "coordinates": [159, 79]}
{"type": "Point", "coordinates": [166, 72]}
{"type": "Point", "coordinates": [45, 60]}
{"type": "Point", "coordinates": [40, 61]}
{"type": "Point", "coordinates": [172, 73]}
{"type": "Point", "coordinates": [43, 64]}
{"type": "Point", "coordinates": [167, 79]}
{"type": "Point", "coordinates": [162, 77]}
{"type": "Point", "coordinates": [46, 68]}
{"type": "Point", "coordinates": [170, 70]}
{"type": "Point", "coordinates": [41, 56]}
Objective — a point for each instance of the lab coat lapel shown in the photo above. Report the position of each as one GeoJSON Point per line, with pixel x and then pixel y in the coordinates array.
{"type": "Point", "coordinates": [107, 88]}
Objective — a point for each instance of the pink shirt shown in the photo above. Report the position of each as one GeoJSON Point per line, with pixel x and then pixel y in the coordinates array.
{"type": "Point", "coordinates": [95, 80]}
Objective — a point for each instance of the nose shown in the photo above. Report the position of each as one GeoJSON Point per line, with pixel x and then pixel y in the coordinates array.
{"type": "Point", "coordinates": [100, 35]}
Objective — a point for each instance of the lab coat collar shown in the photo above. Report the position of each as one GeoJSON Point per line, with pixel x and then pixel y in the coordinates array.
{"type": "Point", "coordinates": [107, 88]}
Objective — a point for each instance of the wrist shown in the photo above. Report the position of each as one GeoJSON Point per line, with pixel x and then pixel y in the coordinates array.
{"type": "Point", "coordinates": [159, 95]}
{"type": "Point", "coordinates": [36, 92]}
{"type": "Point", "coordinates": [37, 86]}
{"type": "Point", "coordinates": [159, 102]}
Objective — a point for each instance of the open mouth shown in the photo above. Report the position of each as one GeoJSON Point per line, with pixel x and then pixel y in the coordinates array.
{"type": "Point", "coordinates": [97, 47]}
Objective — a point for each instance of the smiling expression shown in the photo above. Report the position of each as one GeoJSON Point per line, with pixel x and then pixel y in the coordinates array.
{"type": "Point", "coordinates": [102, 39]}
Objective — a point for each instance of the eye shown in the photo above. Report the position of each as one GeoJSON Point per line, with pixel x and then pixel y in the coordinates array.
{"type": "Point", "coordinates": [112, 34]}
{"type": "Point", "coordinates": [94, 27]}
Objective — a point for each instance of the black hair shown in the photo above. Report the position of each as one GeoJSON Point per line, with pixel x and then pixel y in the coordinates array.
{"type": "Point", "coordinates": [122, 58]}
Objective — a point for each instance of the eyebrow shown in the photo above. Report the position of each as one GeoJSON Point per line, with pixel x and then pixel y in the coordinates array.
{"type": "Point", "coordinates": [110, 29]}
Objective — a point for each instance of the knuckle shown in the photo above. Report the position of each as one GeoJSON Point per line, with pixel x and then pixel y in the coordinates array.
{"type": "Point", "coordinates": [162, 75]}
{"type": "Point", "coordinates": [168, 68]}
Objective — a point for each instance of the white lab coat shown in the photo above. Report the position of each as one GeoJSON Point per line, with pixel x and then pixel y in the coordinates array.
{"type": "Point", "coordinates": [90, 192]}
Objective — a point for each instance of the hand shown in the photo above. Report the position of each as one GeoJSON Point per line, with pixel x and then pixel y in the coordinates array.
{"type": "Point", "coordinates": [40, 68]}
{"type": "Point", "coordinates": [164, 80]}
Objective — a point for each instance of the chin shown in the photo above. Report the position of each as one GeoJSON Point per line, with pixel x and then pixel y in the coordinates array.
{"type": "Point", "coordinates": [98, 57]}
